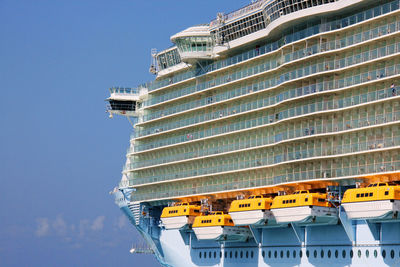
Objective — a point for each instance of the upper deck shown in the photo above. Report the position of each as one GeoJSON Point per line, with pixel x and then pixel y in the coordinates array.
{"type": "Point", "coordinates": [318, 102]}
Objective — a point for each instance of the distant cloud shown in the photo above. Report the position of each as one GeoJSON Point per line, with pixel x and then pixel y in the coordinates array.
{"type": "Point", "coordinates": [60, 226]}
{"type": "Point", "coordinates": [43, 227]}
{"type": "Point", "coordinates": [78, 233]}
{"type": "Point", "coordinates": [98, 223]}
{"type": "Point", "coordinates": [121, 222]}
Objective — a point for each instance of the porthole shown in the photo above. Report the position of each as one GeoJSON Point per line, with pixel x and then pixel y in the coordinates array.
{"type": "Point", "coordinates": [215, 254]}
{"type": "Point", "coordinates": [359, 253]}
{"type": "Point", "coordinates": [252, 254]}
{"type": "Point", "coordinates": [200, 254]}
{"type": "Point", "coordinates": [315, 253]}
{"type": "Point", "coordinates": [209, 254]}
{"type": "Point", "coordinates": [384, 253]}
{"type": "Point", "coordinates": [236, 254]}
{"type": "Point", "coordinates": [294, 253]}
{"type": "Point", "coordinates": [392, 253]}
{"type": "Point", "coordinates": [247, 254]}
{"type": "Point", "coordinates": [336, 253]}
{"type": "Point", "coordinates": [263, 254]}
{"type": "Point", "coordinates": [288, 254]}
{"type": "Point", "coordinates": [241, 254]}
{"type": "Point", "coordinates": [375, 253]}
{"type": "Point", "coordinates": [226, 254]}
{"type": "Point", "coordinates": [329, 253]}
{"type": "Point", "coordinates": [367, 253]}
{"type": "Point", "coordinates": [322, 253]}
{"type": "Point", "coordinates": [301, 254]}
{"type": "Point", "coordinates": [351, 253]}
{"type": "Point", "coordinates": [205, 255]}
{"type": "Point", "coordinates": [275, 254]}
{"type": "Point", "coordinates": [269, 254]}
{"type": "Point", "coordinates": [281, 253]}
{"type": "Point", "coordinates": [308, 253]}
{"type": "Point", "coordinates": [344, 253]}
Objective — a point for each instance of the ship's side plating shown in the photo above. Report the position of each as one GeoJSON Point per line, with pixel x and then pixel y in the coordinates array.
{"type": "Point", "coordinates": [278, 96]}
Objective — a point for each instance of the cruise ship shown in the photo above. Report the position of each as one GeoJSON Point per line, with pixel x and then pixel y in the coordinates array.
{"type": "Point", "coordinates": [270, 136]}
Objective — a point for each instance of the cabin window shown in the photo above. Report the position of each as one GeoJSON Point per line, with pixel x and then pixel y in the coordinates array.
{"type": "Point", "coordinates": [386, 193]}
{"type": "Point", "coordinates": [230, 221]}
{"type": "Point", "coordinates": [259, 204]}
{"type": "Point", "coordinates": [247, 254]}
{"type": "Point", "coordinates": [241, 254]}
{"type": "Point", "coordinates": [384, 253]}
{"type": "Point", "coordinates": [344, 253]}
{"type": "Point", "coordinates": [205, 254]}
{"type": "Point", "coordinates": [306, 199]}
{"type": "Point", "coordinates": [336, 253]}
{"type": "Point", "coordinates": [219, 220]}
{"type": "Point", "coordinates": [358, 195]}
{"type": "Point", "coordinates": [283, 201]}
{"type": "Point", "coordinates": [367, 253]}
{"type": "Point", "coordinates": [321, 200]}
{"type": "Point", "coordinates": [230, 254]}
{"type": "Point", "coordinates": [196, 211]}
{"type": "Point", "coordinates": [226, 254]}
{"type": "Point", "coordinates": [258, 196]}
{"type": "Point", "coordinates": [294, 200]}
{"type": "Point", "coordinates": [184, 210]}
{"type": "Point", "coordinates": [236, 254]}
{"type": "Point", "coordinates": [371, 194]}
{"type": "Point", "coordinates": [362, 195]}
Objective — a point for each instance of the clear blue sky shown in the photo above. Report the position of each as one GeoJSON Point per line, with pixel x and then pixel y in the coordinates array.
{"type": "Point", "coordinates": [60, 154]}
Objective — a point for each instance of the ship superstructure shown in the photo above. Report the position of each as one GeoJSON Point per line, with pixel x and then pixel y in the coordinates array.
{"type": "Point", "coordinates": [292, 102]}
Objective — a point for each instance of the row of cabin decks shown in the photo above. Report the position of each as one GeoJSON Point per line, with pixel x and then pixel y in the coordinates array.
{"type": "Point", "coordinates": [352, 166]}
{"type": "Point", "coordinates": [353, 78]}
{"type": "Point", "coordinates": [338, 123]}
{"type": "Point", "coordinates": [359, 97]}
{"type": "Point", "coordinates": [365, 141]}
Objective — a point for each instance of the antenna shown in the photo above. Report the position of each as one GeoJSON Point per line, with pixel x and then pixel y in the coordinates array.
{"type": "Point", "coordinates": [153, 62]}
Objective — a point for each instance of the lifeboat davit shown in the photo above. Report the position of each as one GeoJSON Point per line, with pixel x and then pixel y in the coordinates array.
{"type": "Point", "coordinates": [376, 201]}
{"type": "Point", "coordinates": [180, 215]}
{"type": "Point", "coordinates": [220, 227]}
{"type": "Point", "coordinates": [254, 210]}
{"type": "Point", "coordinates": [304, 208]}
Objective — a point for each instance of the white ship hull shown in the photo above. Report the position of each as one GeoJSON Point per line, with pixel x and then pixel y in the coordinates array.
{"type": "Point", "coordinates": [177, 222]}
{"type": "Point", "coordinates": [223, 233]}
{"type": "Point", "coordinates": [302, 214]}
{"type": "Point", "coordinates": [371, 209]}
{"type": "Point", "coordinates": [251, 217]}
